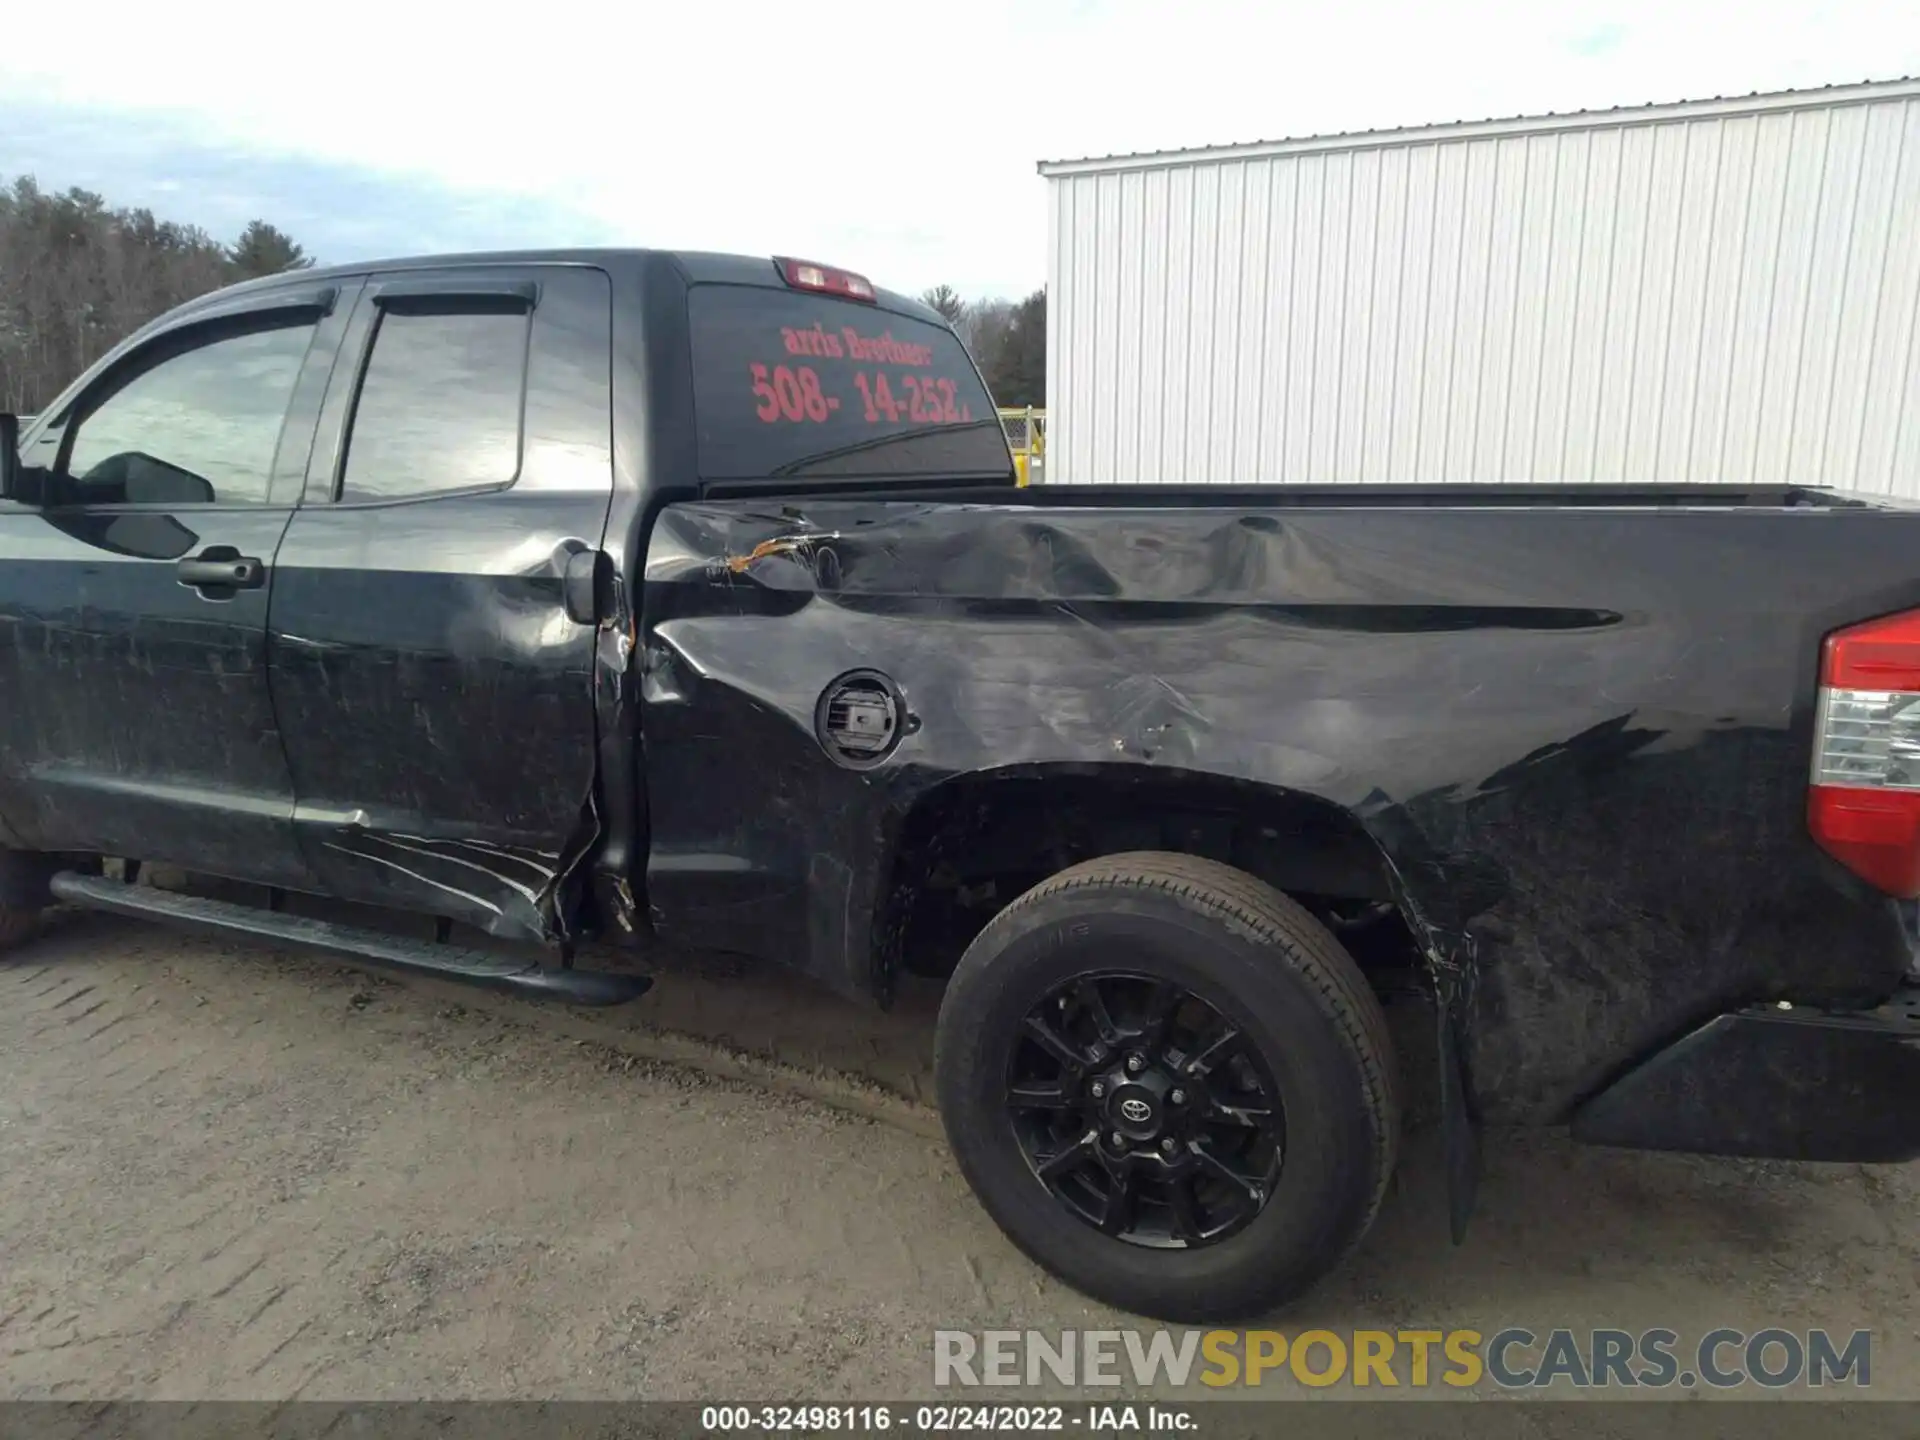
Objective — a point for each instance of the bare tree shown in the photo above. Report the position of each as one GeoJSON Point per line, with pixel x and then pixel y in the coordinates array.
{"type": "Point", "coordinates": [1007, 339]}
{"type": "Point", "coordinates": [983, 325]}
{"type": "Point", "coordinates": [76, 276]}
{"type": "Point", "coordinates": [1015, 366]}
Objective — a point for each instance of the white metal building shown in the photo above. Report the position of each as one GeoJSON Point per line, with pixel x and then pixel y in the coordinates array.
{"type": "Point", "coordinates": [1716, 290]}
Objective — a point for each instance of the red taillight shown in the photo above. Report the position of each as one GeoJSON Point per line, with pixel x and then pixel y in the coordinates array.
{"type": "Point", "coordinates": [805, 275]}
{"type": "Point", "coordinates": [1879, 655]}
{"type": "Point", "coordinates": [1864, 804]}
{"type": "Point", "coordinates": [1874, 833]}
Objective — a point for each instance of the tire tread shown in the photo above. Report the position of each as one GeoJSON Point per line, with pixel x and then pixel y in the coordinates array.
{"type": "Point", "coordinates": [1279, 921]}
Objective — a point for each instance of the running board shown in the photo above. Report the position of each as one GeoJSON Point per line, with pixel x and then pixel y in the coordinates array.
{"type": "Point", "coordinates": [371, 948]}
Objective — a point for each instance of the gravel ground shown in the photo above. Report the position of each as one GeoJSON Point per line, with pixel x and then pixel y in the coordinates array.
{"type": "Point", "coordinates": [230, 1172]}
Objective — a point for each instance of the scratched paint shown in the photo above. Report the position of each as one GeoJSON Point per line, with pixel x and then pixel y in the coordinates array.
{"type": "Point", "coordinates": [1578, 739]}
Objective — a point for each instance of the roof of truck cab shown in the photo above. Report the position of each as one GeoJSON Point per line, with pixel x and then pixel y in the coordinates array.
{"type": "Point", "coordinates": [699, 266]}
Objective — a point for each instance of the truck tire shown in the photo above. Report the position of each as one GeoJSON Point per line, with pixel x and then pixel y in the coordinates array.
{"type": "Point", "coordinates": [1170, 1086]}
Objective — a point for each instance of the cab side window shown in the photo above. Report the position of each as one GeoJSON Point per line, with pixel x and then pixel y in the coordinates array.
{"type": "Point", "coordinates": [441, 404]}
{"type": "Point", "coordinates": [198, 428]}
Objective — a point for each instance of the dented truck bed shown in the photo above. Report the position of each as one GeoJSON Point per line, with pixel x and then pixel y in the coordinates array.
{"type": "Point", "coordinates": [1574, 727]}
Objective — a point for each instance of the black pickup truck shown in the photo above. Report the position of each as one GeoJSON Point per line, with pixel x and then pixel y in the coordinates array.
{"type": "Point", "coordinates": [635, 594]}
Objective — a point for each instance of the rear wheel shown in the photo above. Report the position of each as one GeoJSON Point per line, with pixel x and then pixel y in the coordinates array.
{"type": "Point", "coordinates": [1169, 1085]}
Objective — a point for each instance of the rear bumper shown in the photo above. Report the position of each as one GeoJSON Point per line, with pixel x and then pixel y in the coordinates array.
{"type": "Point", "coordinates": [1781, 1084]}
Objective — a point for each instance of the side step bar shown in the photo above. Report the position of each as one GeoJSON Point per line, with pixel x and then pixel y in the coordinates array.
{"type": "Point", "coordinates": [371, 948]}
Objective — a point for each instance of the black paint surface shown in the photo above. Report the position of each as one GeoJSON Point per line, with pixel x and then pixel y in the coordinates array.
{"type": "Point", "coordinates": [1579, 737]}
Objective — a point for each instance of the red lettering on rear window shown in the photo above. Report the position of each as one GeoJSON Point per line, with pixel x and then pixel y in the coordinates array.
{"type": "Point", "coordinates": [786, 383]}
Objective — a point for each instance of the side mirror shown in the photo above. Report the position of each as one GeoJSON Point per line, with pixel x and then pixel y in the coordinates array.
{"type": "Point", "coordinates": [9, 456]}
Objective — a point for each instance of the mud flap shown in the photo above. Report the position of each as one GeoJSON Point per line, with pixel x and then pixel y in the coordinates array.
{"type": "Point", "coordinates": [1459, 1131]}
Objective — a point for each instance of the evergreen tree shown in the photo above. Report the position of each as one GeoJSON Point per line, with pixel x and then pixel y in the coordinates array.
{"type": "Point", "coordinates": [264, 250]}
{"type": "Point", "coordinates": [944, 299]}
{"type": "Point", "coordinates": [76, 275]}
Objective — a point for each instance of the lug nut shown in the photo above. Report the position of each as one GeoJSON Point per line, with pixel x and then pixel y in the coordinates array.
{"type": "Point", "coordinates": [1178, 1097]}
{"type": "Point", "coordinates": [1167, 1146]}
{"type": "Point", "coordinates": [1135, 1064]}
{"type": "Point", "coordinates": [1099, 1089]}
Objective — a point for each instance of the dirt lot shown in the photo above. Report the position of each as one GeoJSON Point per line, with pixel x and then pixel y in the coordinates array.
{"type": "Point", "coordinates": [229, 1172]}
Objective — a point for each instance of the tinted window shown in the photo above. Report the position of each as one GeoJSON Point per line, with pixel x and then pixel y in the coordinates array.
{"type": "Point", "coordinates": [794, 384]}
{"type": "Point", "coordinates": [197, 428]}
{"type": "Point", "coordinates": [439, 408]}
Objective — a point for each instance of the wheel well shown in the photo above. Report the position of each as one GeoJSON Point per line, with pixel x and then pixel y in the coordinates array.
{"type": "Point", "coordinates": [970, 846]}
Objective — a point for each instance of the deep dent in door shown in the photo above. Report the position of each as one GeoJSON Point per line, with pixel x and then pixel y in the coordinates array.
{"type": "Point", "coordinates": [462, 699]}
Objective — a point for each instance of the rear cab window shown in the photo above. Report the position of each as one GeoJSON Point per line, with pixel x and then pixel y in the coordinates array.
{"type": "Point", "coordinates": [440, 405]}
{"type": "Point", "coordinates": [789, 384]}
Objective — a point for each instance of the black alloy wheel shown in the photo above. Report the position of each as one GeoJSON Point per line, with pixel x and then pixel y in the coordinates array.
{"type": "Point", "coordinates": [1169, 1085]}
{"type": "Point", "coordinates": [1145, 1110]}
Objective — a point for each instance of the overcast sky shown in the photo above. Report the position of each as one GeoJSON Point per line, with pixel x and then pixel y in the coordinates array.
{"type": "Point", "coordinates": [892, 137]}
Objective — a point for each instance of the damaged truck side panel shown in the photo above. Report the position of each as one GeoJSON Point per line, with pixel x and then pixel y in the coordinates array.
{"type": "Point", "coordinates": [417, 598]}
{"type": "Point", "coordinates": [335, 723]}
{"type": "Point", "coordinates": [1577, 738]}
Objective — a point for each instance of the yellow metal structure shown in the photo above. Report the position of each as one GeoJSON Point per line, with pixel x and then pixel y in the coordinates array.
{"type": "Point", "coordinates": [1026, 429]}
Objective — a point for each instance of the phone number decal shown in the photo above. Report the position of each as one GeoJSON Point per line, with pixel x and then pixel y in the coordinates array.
{"type": "Point", "coordinates": [794, 393]}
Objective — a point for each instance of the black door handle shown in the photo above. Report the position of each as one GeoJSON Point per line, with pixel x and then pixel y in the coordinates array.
{"type": "Point", "coordinates": [221, 567]}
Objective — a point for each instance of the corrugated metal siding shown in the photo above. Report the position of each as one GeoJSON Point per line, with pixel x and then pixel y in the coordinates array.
{"type": "Point", "coordinates": [1731, 297]}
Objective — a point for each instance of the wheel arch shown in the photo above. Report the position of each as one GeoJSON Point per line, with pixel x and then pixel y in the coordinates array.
{"type": "Point", "coordinates": [971, 844]}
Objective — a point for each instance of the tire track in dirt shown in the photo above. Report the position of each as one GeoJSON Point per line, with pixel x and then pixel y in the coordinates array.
{"type": "Point", "coordinates": [253, 1085]}
{"type": "Point", "coordinates": [174, 1289]}
{"type": "Point", "coordinates": [276, 1175]}
{"type": "Point", "coordinates": [71, 997]}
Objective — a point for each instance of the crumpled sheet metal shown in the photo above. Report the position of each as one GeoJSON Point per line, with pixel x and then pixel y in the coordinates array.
{"type": "Point", "coordinates": [1573, 734]}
